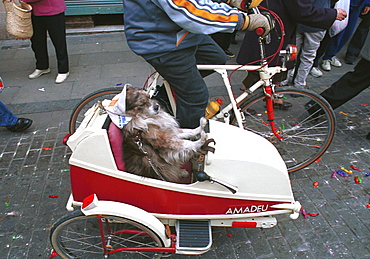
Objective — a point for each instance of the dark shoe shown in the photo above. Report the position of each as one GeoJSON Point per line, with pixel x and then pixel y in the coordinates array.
{"type": "Point", "coordinates": [368, 136]}
{"type": "Point", "coordinates": [350, 58]}
{"type": "Point", "coordinates": [283, 106]}
{"type": "Point", "coordinates": [229, 53]}
{"type": "Point", "coordinates": [21, 125]}
{"type": "Point", "coordinates": [349, 61]}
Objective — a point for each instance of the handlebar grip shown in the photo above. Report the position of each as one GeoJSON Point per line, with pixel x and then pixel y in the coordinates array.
{"type": "Point", "coordinates": [260, 31]}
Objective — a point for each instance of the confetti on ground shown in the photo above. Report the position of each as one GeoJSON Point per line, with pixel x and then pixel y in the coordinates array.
{"type": "Point", "coordinates": [316, 184]}
{"type": "Point", "coordinates": [341, 173]}
{"type": "Point", "coordinates": [347, 171]}
{"type": "Point", "coordinates": [13, 213]}
{"type": "Point", "coordinates": [53, 254]}
{"type": "Point", "coordinates": [357, 179]}
{"type": "Point", "coordinates": [304, 213]}
{"type": "Point", "coordinates": [355, 168]}
{"type": "Point", "coordinates": [313, 214]}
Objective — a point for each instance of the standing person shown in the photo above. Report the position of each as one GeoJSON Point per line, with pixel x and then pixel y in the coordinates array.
{"type": "Point", "coordinates": [308, 41]}
{"type": "Point", "coordinates": [12, 122]}
{"type": "Point", "coordinates": [292, 12]}
{"type": "Point", "coordinates": [172, 36]}
{"type": "Point", "coordinates": [359, 37]}
{"type": "Point", "coordinates": [9, 120]}
{"type": "Point", "coordinates": [350, 84]}
{"type": "Point", "coordinates": [48, 17]}
{"type": "Point", "coordinates": [337, 42]}
{"type": "Point", "coordinates": [315, 70]}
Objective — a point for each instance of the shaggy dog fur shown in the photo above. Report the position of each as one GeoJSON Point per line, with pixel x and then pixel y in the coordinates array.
{"type": "Point", "coordinates": [167, 146]}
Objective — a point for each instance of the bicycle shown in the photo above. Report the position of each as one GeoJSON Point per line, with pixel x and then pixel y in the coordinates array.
{"type": "Point", "coordinates": [301, 133]}
{"type": "Point", "coordinates": [117, 214]}
{"type": "Point", "coordinates": [300, 137]}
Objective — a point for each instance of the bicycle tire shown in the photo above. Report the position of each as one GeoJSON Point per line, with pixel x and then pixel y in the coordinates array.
{"type": "Point", "coordinates": [78, 236]}
{"type": "Point", "coordinates": [87, 102]}
{"type": "Point", "coordinates": [306, 136]}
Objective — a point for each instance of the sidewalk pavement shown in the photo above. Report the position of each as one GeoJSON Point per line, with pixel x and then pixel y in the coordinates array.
{"type": "Point", "coordinates": [34, 164]}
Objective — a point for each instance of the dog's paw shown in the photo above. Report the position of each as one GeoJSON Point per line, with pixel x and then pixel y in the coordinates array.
{"type": "Point", "coordinates": [203, 136]}
{"type": "Point", "coordinates": [184, 173]}
{"type": "Point", "coordinates": [203, 122]}
{"type": "Point", "coordinates": [207, 147]}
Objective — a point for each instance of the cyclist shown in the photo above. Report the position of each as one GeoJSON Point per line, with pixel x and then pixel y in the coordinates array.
{"type": "Point", "coordinates": [172, 36]}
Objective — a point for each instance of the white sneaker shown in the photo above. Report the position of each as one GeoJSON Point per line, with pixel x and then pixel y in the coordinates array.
{"type": "Point", "coordinates": [316, 72]}
{"type": "Point", "coordinates": [325, 65]}
{"type": "Point", "coordinates": [61, 78]}
{"type": "Point", "coordinates": [335, 62]}
{"type": "Point", "coordinates": [38, 72]}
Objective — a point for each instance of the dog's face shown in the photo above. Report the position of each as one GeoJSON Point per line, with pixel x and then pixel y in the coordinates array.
{"type": "Point", "coordinates": [138, 102]}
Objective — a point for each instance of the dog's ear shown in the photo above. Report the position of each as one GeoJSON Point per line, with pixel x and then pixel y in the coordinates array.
{"type": "Point", "coordinates": [130, 99]}
{"type": "Point", "coordinates": [136, 99]}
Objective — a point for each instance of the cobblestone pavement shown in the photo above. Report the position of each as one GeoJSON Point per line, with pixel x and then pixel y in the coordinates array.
{"type": "Point", "coordinates": [34, 180]}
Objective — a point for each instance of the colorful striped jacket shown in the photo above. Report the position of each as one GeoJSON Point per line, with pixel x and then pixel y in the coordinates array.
{"type": "Point", "coordinates": [156, 27]}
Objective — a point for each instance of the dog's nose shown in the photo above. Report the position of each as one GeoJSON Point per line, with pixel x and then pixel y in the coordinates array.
{"type": "Point", "coordinates": [156, 107]}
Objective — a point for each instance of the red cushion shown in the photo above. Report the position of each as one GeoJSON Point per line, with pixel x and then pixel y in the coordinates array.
{"type": "Point", "coordinates": [116, 140]}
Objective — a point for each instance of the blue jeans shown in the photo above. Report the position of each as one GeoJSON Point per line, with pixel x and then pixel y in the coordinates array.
{"type": "Point", "coordinates": [338, 41]}
{"type": "Point", "coordinates": [7, 118]}
{"type": "Point", "coordinates": [180, 71]}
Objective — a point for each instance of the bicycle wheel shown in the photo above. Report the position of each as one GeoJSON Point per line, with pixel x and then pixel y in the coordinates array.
{"type": "Point", "coordinates": [307, 127]}
{"type": "Point", "coordinates": [78, 236]}
{"type": "Point", "coordinates": [87, 102]}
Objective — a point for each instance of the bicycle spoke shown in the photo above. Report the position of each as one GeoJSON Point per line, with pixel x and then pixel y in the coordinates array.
{"type": "Point", "coordinates": [80, 237]}
{"type": "Point", "coordinates": [86, 103]}
{"type": "Point", "coordinates": [305, 135]}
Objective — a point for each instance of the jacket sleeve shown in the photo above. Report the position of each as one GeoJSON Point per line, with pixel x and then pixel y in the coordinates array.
{"type": "Point", "coordinates": [305, 13]}
{"type": "Point", "coordinates": [202, 16]}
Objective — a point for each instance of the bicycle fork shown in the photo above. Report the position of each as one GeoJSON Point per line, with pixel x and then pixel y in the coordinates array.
{"type": "Point", "coordinates": [270, 110]}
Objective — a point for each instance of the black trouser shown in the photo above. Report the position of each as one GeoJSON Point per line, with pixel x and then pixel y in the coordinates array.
{"type": "Point", "coordinates": [358, 38]}
{"type": "Point", "coordinates": [222, 39]}
{"type": "Point", "coordinates": [349, 85]}
{"type": "Point", "coordinates": [56, 27]}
